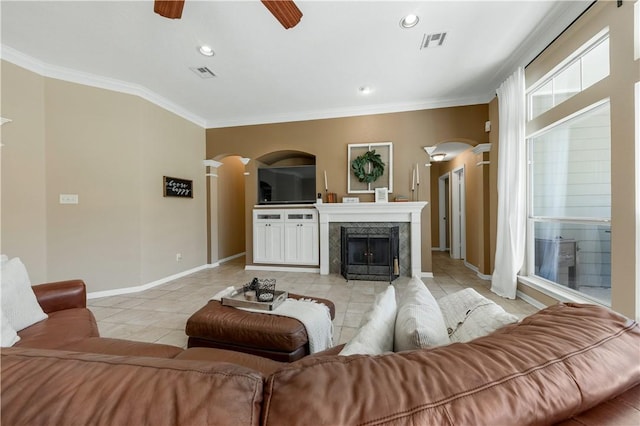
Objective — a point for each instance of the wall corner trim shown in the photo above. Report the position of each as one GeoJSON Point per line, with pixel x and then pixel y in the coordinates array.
{"type": "Point", "coordinates": [212, 163]}
{"type": "Point", "coordinates": [482, 147]}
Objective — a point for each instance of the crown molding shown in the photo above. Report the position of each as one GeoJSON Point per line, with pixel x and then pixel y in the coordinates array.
{"type": "Point", "coordinates": [12, 55]}
{"type": "Point", "coordinates": [20, 59]}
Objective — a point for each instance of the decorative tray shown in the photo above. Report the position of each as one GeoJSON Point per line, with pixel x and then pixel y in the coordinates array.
{"type": "Point", "coordinates": [238, 300]}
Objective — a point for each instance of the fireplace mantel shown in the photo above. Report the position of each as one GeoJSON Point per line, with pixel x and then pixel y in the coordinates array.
{"type": "Point", "coordinates": [371, 212]}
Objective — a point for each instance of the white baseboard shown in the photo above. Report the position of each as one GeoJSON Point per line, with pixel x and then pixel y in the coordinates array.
{"type": "Point", "coordinates": [477, 271]}
{"type": "Point", "coordinates": [426, 275]}
{"type": "Point", "coordinates": [530, 300]}
{"type": "Point", "coordinates": [439, 249]}
{"type": "Point", "coordinates": [281, 269]}
{"type": "Point", "coordinates": [226, 259]}
{"type": "Point", "coordinates": [136, 289]}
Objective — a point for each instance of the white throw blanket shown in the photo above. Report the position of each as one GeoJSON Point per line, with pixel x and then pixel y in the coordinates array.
{"type": "Point", "coordinates": [315, 317]}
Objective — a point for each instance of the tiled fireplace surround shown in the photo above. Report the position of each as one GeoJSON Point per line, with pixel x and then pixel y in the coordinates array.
{"type": "Point", "coordinates": [406, 215]}
{"type": "Point", "coordinates": [335, 243]}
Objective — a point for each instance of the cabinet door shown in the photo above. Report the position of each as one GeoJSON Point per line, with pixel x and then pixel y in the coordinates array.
{"type": "Point", "coordinates": [301, 243]}
{"type": "Point", "coordinates": [291, 242]}
{"type": "Point", "coordinates": [268, 242]}
{"type": "Point", "coordinates": [308, 243]}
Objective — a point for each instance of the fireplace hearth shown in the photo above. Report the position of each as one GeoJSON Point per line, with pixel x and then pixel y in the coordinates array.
{"type": "Point", "coordinates": [370, 253]}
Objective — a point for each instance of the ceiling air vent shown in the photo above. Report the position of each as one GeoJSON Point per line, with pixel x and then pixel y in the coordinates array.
{"type": "Point", "coordinates": [432, 40]}
{"type": "Point", "coordinates": [203, 72]}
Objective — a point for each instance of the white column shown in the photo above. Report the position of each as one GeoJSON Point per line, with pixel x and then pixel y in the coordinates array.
{"type": "Point", "coordinates": [324, 243]}
{"type": "Point", "coordinates": [212, 174]}
{"type": "Point", "coordinates": [416, 245]}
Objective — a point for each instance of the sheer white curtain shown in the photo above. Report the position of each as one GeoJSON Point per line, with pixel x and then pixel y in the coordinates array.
{"type": "Point", "coordinates": [512, 196]}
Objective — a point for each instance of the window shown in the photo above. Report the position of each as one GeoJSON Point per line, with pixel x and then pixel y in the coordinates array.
{"type": "Point", "coordinates": [569, 231]}
{"type": "Point", "coordinates": [582, 69]}
{"type": "Point", "coordinates": [636, 24]}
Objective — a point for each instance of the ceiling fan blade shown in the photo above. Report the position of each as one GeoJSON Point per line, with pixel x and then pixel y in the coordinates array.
{"type": "Point", "coordinates": [285, 11]}
{"type": "Point", "coordinates": [169, 8]}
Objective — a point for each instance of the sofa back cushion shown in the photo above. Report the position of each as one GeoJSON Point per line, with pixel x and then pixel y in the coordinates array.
{"type": "Point", "coordinates": [64, 388]}
{"type": "Point", "coordinates": [419, 323]}
{"type": "Point", "coordinates": [555, 363]}
{"type": "Point", "coordinates": [375, 335]}
{"type": "Point", "coordinates": [468, 315]}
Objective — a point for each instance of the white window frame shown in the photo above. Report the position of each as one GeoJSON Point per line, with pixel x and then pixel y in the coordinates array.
{"type": "Point", "coordinates": [576, 56]}
{"type": "Point", "coordinates": [550, 288]}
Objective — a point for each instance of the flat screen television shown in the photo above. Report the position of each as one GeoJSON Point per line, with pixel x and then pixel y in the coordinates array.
{"type": "Point", "coordinates": [287, 185]}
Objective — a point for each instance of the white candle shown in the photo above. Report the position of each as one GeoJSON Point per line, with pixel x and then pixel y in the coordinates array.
{"type": "Point", "coordinates": [417, 174]}
{"type": "Point", "coordinates": [326, 187]}
{"type": "Point", "coordinates": [413, 179]}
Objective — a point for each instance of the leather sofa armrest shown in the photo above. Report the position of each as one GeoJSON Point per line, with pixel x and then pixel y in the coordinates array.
{"type": "Point", "coordinates": [61, 295]}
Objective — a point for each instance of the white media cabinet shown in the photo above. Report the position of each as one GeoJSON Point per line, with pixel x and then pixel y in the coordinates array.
{"type": "Point", "coordinates": [286, 236]}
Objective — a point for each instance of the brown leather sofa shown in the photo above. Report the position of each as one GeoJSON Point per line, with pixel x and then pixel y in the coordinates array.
{"type": "Point", "coordinates": [569, 364]}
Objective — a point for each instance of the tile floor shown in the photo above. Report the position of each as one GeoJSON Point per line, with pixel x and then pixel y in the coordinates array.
{"type": "Point", "coordinates": [160, 314]}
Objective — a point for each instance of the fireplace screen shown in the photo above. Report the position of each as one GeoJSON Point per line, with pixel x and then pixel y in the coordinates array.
{"type": "Point", "coordinates": [369, 253]}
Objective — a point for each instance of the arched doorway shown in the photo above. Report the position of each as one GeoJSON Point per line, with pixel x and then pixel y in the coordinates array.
{"type": "Point", "coordinates": [226, 208]}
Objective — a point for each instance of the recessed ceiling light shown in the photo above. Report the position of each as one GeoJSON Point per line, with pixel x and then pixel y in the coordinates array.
{"type": "Point", "coordinates": [409, 21]}
{"type": "Point", "coordinates": [206, 50]}
{"type": "Point", "coordinates": [365, 90]}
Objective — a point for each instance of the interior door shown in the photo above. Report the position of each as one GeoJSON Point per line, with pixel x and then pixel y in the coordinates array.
{"type": "Point", "coordinates": [458, 214]}
{"type": "Point", "coordinates": [443, 211]}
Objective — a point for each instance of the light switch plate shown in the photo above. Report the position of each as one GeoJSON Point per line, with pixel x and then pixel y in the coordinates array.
{"type": "Point", "coordinates": [68, 198]}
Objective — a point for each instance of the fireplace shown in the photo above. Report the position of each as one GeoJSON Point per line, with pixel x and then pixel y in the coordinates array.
{"type": "Point", "coordinates": [370, 253]}
{"type": "Point", "coordinates": [407, 214]}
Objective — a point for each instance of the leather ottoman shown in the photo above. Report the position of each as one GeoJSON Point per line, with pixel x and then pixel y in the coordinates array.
{"type": "Point", "coordinates": [271, 336]}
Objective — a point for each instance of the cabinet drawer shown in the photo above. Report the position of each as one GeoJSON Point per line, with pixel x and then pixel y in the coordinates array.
{"type": "Point", "coordinates": [300, 216]}
{"type": "Point", "coordinates": [268, 216]}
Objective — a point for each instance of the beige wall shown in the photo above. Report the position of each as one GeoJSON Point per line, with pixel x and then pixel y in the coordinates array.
{"type": "Point", "coordinates": [619, 87]}
{"type": "Point", "coordinates": [328, 140]}
{"type": "Point", "coordinates": [231, 212]}
{"type": "Point", "coordinates": [111, 149]}
{"type": "Point", "coordinates": [23, 228]}
{"type": "Point", "coordinates": [170, 146]}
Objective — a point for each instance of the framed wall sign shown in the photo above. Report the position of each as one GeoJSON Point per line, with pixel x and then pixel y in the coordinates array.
{"type": "Point", "coordinates": [175, 187]}
{"type": "Point", "coordinates": [369, 166]}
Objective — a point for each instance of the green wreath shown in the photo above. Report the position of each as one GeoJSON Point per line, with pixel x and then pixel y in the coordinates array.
{"type": "Point", "coordinates": [377, 167]}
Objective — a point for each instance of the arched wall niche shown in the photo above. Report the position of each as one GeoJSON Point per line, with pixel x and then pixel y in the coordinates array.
{"type": "Point", "coordinates": [287, 158]}
{"type": "Point", "coordinates": [450, 148]}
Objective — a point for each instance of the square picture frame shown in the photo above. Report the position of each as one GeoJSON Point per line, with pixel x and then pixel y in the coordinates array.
{"type": "Point", "coordinates": [382, 195]}
{"type": "Point", "coordinates": [354, 150]}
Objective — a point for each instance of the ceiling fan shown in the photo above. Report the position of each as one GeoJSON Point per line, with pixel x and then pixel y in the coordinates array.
{"type": "Point", "coordinates": [285, 11]}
